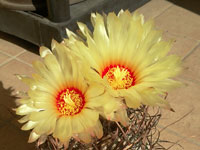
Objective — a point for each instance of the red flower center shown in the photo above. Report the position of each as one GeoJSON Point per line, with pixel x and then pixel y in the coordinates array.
{"type": "Point", "coordinates": [119, 77]}
{"type": "Point", "coordinates": [70, 101]}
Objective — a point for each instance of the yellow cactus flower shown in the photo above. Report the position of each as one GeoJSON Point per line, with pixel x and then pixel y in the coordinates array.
{"type": "Point", "coordinates": [127, 56]}
{"type": "Point", "coordinates": [60, 102]}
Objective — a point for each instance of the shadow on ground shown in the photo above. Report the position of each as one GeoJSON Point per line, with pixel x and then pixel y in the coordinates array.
{"type": "Point", "coordinates": [192, 5]}
{"type": "Point", "coordinates": [20, 42]}
{"type": "Point", "coordinates": [11, 136]}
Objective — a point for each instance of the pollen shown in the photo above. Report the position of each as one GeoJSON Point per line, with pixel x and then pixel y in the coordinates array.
{"type": "Point", "coordinates": [70, 101]}
{"type": "Point", "coordinates": [119, 77]}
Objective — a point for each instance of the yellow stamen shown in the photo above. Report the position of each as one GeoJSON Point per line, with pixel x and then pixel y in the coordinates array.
{"type": "Point", "coordinates": [119, 77]}
{"type": "Point", "coordinates": [70, 101]}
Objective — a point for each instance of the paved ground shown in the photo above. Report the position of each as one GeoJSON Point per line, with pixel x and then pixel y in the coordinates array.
{"type": "Point", "coordinates": [177, 23]}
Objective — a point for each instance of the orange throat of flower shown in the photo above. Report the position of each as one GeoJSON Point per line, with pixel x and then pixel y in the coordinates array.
{"type": "Point", "coordinates": [70, 101]}
{"type": "Point", "coordinates": [119, 77]}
